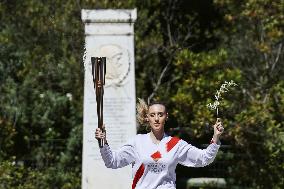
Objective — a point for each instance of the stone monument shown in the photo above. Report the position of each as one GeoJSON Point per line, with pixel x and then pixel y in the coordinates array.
{"type": "Point", "coordinates": [109, 33]}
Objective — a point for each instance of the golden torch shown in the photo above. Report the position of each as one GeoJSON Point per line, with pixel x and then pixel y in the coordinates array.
{"type": "Point", "coordinates": [98, 72]}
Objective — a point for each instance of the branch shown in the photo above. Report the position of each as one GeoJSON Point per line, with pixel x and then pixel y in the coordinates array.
{"type": "Point", "coordinates": [277, 57]}
{"type": "Point", "coordinates": [168, 20]}
{"type": "Point", "coordinates": [159, 82]}
{"type": "Point", "coordinates": [246, 92]}
{"type": "Point", "coordinates": [169, 33]}
{"type": "Point", "coordinates": [262, 41]}
{"type": "Point", "coordinates": [265, 98]}
{"type": "Point", "coordinates": [78, 5]}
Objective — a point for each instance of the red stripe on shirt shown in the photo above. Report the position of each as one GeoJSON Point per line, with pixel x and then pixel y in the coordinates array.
{"type": "Point", "coordinates": [172, 143]}
{"type": "Point", "coordinates": [138, 175]}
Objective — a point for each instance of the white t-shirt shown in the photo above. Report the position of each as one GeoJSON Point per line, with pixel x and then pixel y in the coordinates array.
{"type": "Point", "coordinates": [153, 165]}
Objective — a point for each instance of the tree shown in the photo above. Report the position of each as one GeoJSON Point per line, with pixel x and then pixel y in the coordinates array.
{"type": "Point", "coordinates": [41, 83]}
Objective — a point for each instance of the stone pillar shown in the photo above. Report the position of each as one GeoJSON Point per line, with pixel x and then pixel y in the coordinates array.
{"type": "Point", "coordinates": [109, 33]}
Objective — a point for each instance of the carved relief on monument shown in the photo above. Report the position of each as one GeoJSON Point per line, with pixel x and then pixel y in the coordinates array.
{"type": "Point", "coordinates": [117, 64]}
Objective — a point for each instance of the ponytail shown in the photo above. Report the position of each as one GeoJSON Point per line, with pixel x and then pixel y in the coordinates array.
{"type": "Point", "coordinates": [142, 110]}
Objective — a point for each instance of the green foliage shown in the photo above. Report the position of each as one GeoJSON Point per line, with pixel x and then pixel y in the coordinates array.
{"type": "Point", "coordinates": [255, 44]}
{"type": "Point", "coordinates": [19, 177]}
{"type": "Point", "coordinates": [200, 75]}
{"type": "Point", "coordinates": [41, 93]}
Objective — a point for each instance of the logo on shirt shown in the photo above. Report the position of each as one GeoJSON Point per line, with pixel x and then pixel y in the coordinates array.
{"type": "Point", "coordinates": [156, 167]}
{"type": "Point", "coordinates": [156, 156]}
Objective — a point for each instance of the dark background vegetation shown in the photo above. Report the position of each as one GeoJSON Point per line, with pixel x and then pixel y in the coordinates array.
{"type": "Point", "coordinates": [185, 49]}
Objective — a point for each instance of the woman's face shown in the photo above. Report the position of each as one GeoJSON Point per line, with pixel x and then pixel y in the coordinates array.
{"type": "Point", "coordinates": [157, 116]}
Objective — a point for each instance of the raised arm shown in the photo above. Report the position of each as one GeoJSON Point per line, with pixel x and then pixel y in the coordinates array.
{"type": "Point", "coordinates": [194, 157]}
{"type": "Point", "coordinates": [119, 158]}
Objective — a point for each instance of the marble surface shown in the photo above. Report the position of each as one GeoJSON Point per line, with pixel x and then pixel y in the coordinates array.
{"type": "Point", "coordinates": [109, 33]}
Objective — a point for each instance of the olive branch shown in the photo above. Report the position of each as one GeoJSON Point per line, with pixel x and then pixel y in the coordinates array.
{"type": "Point", "coordinates": [218, 95]}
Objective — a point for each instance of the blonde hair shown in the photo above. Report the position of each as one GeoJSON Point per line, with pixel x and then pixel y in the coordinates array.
{"type": "Point", "coordinates": [142, 110]}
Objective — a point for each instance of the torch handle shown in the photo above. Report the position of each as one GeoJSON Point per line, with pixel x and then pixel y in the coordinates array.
{"type": "Point", "coordinates": [101, 142]}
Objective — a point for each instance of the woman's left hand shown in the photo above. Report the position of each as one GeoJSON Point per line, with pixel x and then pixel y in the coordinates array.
{"type": "Point", "coordinates": [218, 127]}
{"type": "Point", "coordinates": [218, 130]}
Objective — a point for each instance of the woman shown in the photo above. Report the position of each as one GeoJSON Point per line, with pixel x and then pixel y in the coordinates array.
{"type": "Point", "coordinates": [155, 155]}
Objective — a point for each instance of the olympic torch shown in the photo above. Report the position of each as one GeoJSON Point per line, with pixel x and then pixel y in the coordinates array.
{"type": "Point", "coordinates": [98, 72]}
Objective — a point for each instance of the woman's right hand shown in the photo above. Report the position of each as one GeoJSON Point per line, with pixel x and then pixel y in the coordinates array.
{"type": "Point", "coordinates": [99, 134]}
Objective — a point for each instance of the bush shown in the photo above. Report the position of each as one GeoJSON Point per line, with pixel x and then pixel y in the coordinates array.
{"type": "Point", "coordinates": [21, 177]}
